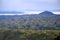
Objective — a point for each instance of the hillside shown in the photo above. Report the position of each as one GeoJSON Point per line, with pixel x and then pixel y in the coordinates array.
{"type": "Point", "coordinates": [43, 21]}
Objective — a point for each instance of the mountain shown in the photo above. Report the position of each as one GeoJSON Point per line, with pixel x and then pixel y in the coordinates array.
{"type": "Point", "coordinates": [46, 13]}
{"type": "Point", "coordinates": [43, 21]}
{"type": "Point", "coordinates": [10, 12]}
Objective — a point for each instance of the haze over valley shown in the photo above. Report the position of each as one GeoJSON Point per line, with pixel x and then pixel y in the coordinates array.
{"type": "Point", "coordinates": [23, 13]}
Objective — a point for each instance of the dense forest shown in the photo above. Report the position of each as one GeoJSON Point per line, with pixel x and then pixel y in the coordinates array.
{"type": "Point", "coordinates": [43, 21]}
{"type": "Point", "coordinates": [43, 26]}
{"type": "Point", "coordinates": [29, 34]}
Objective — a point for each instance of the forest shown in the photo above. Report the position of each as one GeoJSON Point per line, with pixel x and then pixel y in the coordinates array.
{"type": "Point", "coordinates": [43, 21]}
{"type": "Point", "coordinates": [43, 26]}
{"type": "Point", "coordinates": [29, 34]}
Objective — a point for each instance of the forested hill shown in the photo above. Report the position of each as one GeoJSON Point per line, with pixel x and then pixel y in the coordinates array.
{"type": "Point", "coordinates": [43, 21]}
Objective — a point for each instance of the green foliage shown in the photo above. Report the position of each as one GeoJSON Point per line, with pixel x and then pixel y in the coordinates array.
{"type": "Point", "coordinates": [29, 34]}
{"type": "Point", "coordinates": [33, 22]}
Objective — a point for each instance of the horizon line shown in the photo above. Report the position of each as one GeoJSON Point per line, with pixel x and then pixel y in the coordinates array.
{"type": "Point", "coordinates": [28, 14]}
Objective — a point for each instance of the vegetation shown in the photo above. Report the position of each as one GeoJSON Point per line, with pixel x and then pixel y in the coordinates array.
{"type": "Point", "coordinates": [33, 22]}
{"type": "Point", "coordinates": [29, 34]}
{"type": "Point", "coordinates": [30, 27]}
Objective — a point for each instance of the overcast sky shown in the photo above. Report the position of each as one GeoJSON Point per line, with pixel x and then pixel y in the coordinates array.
{"type": "Point", "coordinates": [29, 5]}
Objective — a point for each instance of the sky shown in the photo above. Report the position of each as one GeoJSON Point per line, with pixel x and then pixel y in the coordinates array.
{"type": "Point", "coordinates": [30, 5]}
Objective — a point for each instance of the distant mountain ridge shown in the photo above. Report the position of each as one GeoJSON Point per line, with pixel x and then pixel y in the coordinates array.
{"type": "Point", "coordinates": [10, 12]}
{"type": "Point", "coordinates": [43, 21]}
{"type": "Point", "coordinates": [46, 13]}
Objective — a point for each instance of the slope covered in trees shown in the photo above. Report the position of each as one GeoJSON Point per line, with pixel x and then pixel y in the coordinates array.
{"type": "Point", "coordinates": [43, 26]}
{"type": "Point", "coordinates": [43, 21]}
{"type": "Point", "coordinates": [29, 34]}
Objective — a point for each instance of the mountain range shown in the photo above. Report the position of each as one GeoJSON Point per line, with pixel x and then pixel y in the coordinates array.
{"type": "Point", "coordinates": [10, 12]}
{"type": "Point", "coordinates": [42, 21]}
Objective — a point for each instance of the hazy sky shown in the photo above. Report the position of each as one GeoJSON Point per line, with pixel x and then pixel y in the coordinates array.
{"type": "Point", "coordinates": [29, 5]}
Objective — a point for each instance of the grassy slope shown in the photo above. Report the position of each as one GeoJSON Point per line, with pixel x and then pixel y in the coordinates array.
{"type": "Point", "coordinates": [29, 34]}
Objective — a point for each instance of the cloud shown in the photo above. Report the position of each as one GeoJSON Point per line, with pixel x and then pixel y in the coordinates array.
{"type": "Point", "coordinates": [56, 12]}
